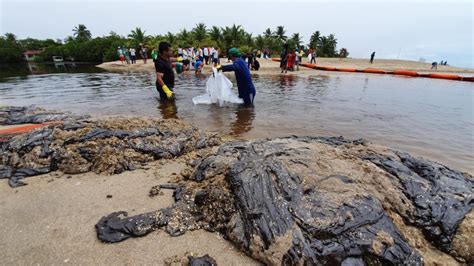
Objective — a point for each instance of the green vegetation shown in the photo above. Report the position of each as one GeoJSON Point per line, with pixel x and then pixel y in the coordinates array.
{"type": "Point", "coordinates": [83, 48]}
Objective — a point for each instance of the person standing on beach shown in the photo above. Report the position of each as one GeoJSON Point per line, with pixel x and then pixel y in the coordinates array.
{"type": "Point", "coordinates": [154, 54]}
{"type": "Point", "coordinates": [133, 55]}
{"type": "Point", "coordinates": [126, 54]}
{"type": "Point", "coordinates": [143, 53]}
{"type": "Point", "coordinates": [284, 58]}
{"type": "Point", "coordinates": [297, 60]}
{"type": "Point", "coordinates": [242, 75]}
{"type": "Point", "coordinates": [120, 54]}
{"type": "Point", "coordinates": [164, 71]}
{"type": "Point", "coordinates": [372, 56]}
{"type": "Point", "coordinates": [215, 57]}
{"type": "Point", "coordinates": [206, 54]}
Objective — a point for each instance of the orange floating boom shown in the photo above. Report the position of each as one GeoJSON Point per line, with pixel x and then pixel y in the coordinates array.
{"type": "Point", "coordinates": [399, 72]}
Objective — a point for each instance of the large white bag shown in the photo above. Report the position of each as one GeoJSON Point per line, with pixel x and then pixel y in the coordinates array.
{"type": "Point", "coordinates": [218, 90]}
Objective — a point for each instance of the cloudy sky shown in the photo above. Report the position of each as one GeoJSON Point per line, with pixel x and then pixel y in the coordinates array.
{"type": "Point", "coordinates": [434, 30]}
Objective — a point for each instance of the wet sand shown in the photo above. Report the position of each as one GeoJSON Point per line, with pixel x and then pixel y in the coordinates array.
{"type": "Point", "coordinates": [270, 67]}
{"type": "Point", "coordinates": [51, 221]}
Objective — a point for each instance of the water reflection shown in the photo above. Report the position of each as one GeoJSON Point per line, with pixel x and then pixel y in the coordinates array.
{"type": "Point", "coordinates": [244, 117]}
{"type": "Point", "coordinates": [287, 81]}
{"type": "Point", "coordinates": [168, 109]}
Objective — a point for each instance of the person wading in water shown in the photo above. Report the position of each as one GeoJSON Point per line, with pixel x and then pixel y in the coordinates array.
{"type": "Point", "coordinates": [164, 71]}
{"type": "Point", "coordinates": [242, 75]}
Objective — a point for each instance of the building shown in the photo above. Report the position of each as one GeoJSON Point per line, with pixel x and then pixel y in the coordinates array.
{"type": "Point", "coordinates": [30, 55]}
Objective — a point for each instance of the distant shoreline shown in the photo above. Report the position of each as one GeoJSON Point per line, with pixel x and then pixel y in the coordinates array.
{"type": "Point", "coordinates": [269, 67]}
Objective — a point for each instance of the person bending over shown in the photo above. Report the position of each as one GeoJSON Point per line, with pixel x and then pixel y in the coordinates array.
{"type": "Point", "coordinates": [164, 71]}
{"type": "Point", "coordinates": [242, 75]}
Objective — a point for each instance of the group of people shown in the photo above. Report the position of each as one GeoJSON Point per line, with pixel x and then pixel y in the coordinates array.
{"type": "Point", "coordinates": [129, 55]}
{"type": "Point", "coordinates": [435, 65]}
{"type": "Point", "coordinates": [165, 74]}
{"type": "Point", "coordinates": [291, 58]}
{"type": "Point", "coordinates": [251, 59]}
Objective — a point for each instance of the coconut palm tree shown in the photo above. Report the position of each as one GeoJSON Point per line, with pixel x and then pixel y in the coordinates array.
{"type": "Point", "coordinates": [215, 34]}
{"type": "Point", "coordinates": [260, 42]}
{"type": "Point", "coordinates": [10, 37]}
{"type": "Point", "coordinates": [280, 34]}
{"type": "Point", "coordinates": [138, 35]}
{"type": "Point", "coordinates": [314, 40]}
{"type": "Point", "coordinates": [268, 33]}
{"type": "Point", "coordinates": [296, 39]}
{"type": "Point", "coordinates": [183, 37]}
{"type": "Point", "coordinates": [237, 33]}
{"type": "Point", "coordinates": [199, 32]}
{"type": "Point", "coordinates": [82, 33]}
{"type": "Point", "coordinates": [170, 37]}
{"type": "Point", "coordinates": [248, 39]}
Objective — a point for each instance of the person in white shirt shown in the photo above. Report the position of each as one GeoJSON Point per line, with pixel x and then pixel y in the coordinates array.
{"type": "Point", "coordinates": [206, 54]}
{"type": "Point", "coordinates": [180, 52]}
{"type": "Point", "coordinates": [133, 55]}
{"type": "Point", "coordinates": [215, 56]}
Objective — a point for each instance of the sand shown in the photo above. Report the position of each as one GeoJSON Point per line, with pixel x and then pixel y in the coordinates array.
{"type": "Point", "coordinates": [51, 221]}
{"type": "Point", "coordinates": [270, 67]}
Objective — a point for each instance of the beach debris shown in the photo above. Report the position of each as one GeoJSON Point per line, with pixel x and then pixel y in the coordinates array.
{"type": "Point", "coordinates": [109, 146]}
{"type": "Point", "coordinates": [441, 197]}
{"type": "Point", "coordinates": [316, 200]}
{"type": "Point", "coordinates": [155, 191]}
{"type": "Point", "coordinates": [12, 115]}
{"type": "Point", "coordinates": [205, 260]}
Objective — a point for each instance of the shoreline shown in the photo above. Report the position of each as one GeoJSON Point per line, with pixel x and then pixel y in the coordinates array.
{"type": "Point", "coordinates": [269, 67]}
{"type": "Point", "coordinates": [66, 202]}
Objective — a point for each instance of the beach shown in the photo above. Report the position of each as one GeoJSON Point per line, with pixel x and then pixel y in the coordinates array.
{"type": "Point", "coordinates": [61, 209]}
{"type": "Point", "coordinates": [351, 185]}
{"type": "Point", "coordinates": [51, 221]}
{"type": "Point", "coordinates": [267, 66]}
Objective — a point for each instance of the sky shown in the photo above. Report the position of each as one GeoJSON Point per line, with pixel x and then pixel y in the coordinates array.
{"type": "Point", "coordinates": [433, 30]}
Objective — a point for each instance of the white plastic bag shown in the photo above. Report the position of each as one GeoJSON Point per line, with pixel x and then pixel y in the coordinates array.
{"type": "Point", "coordinates": [218, 90]}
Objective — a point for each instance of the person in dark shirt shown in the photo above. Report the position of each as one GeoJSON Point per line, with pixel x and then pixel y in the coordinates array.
{"type": "Point", "coordinates": [372, 56]}
{"type": "Point", "coordinates": [164, 71]}
{"type": "Point", "coordinates": [242, 75]}
{"type": "Point", "coordinates": [284, 59]}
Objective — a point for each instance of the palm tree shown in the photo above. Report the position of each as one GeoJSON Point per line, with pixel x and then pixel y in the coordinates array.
{"type": "Point", "coordinates": [248, 39]}
{"type": "Point", "coordinates": [314, 40]}
{"type": "Point", "coordinates": [260, 42]}
{"type": "Point", "coordinates": [10, 37]}
{"type": "Point", "coordinates": [82, 33]}
{"type": "Point", "coordinates": [138, 35]}
{"type": "Point", "coordinates": [236, 34]}
{"type": "Point", "coordinates": [199, 32]}
{"type": "Point", "coordinates": [170, 37]}
{"type": "Point", "coordinates": [216, 34]}
{"type": "Point", "coordinates": [184, 36]}
{"type": "Point", "coordinates": [114, 35]}
{"type": "Point", "coordinates": [268, 33]}
{"type": "Point", "coordinates": [296, 38]}
{"type": "Point", "coordinates": [331, 45]}
{"type": "Point", "coordinates": [280, 33]}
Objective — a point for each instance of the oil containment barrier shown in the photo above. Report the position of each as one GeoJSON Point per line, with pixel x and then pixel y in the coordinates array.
{"type": "Point", "coordinates": [398, 72]}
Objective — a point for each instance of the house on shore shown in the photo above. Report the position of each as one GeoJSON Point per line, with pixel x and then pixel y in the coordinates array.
{"type": "Point", "coordinates": [30, 55]}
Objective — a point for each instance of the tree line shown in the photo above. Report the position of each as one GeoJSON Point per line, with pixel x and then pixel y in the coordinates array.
{"type": "Point", "coordinates": [84, 48]}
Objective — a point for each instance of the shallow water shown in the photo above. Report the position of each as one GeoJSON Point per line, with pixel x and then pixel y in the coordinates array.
{"type": "Point", "coordinates": [431, 118]}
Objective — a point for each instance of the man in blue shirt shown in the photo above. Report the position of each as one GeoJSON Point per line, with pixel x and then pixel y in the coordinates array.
{"type": "Point", "coordinates": [242, 75]}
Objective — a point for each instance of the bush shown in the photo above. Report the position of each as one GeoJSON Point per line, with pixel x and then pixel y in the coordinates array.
{"type": "Point", "coordinates": [10, 52]}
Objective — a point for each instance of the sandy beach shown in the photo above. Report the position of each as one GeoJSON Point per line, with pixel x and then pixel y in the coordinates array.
{"type": "Point", "coordinates": [51, 221]}
{"type": "Point", "coordinates": [267, 66]}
